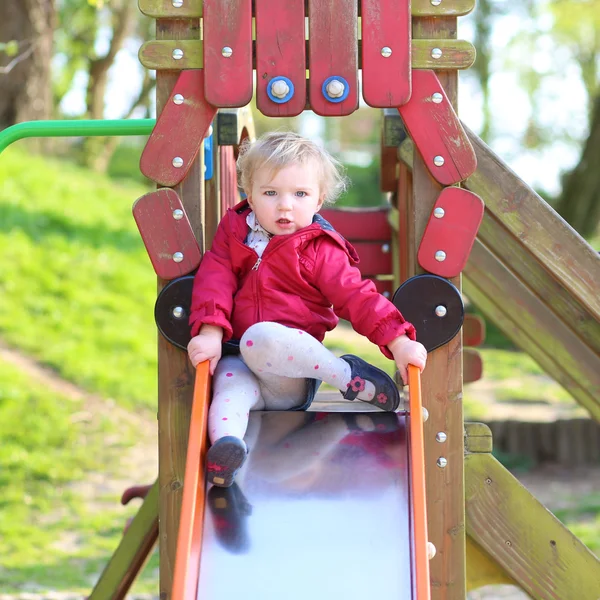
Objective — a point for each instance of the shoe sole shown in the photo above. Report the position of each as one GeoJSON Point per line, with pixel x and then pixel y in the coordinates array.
{"type": "Point", "coordinates": [224, 461]}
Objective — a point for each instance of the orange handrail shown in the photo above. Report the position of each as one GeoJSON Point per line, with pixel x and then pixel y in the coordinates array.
{"type": "Point", "coordinates": [417, 475]}
{"type": "Point", "coordinates": [189, 539]}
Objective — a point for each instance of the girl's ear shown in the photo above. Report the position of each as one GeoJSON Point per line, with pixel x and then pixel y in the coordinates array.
{"type": "Point", "coordinates": [321, 202]}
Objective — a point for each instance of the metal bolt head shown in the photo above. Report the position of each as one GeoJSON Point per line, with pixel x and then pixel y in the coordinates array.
{"type": "Point", "coordinates": [425, 414]}
{"type": "Point", "coordinates": [437, 98]}
{"type": "Point", "coordinates": [438, 161]}
{"type": "Point", "coordinates": [440, 437]}
{"type": "Point", "coordinates": [385, 248]}
{"type": "Point", "coordinates": [226, 51]}
{"type": "Point", "coordinates": [431, 550]}
{"type": "Point", "coordinates": [386, 294]}
{"type": "Point", "coordinates": [441, 311]}
{"type": "Point", "coordinates": [279, 88]}
{"type": "Point", "coordinates": [177, 54]}
{"type": "Point", "coordinates": [178, 312]}
{"type": "Point", "coordinates": [335, 88]}
{"type": "Point", "coordinates": [439, 212]}
{"type": "Point", "coordinates": [440, 256]}
{"type": "Point", "coordinates": [178, 214]}
{"type": "Point", "coordinates": [177, 3]}
{"type": "Point", "coordinates": [178, 257]}
{"type": "Point", "coordinates": [386, 52]}
{"type": "Point", "coordinates": [177, 162]}
{"type": "Point", "coordinates": [436, 53]}
{"type": "Point", "coordinates": [178, 99]}
{"type": "Point", "coordinates": [436, 2]}
{"type": "Point", "coordinates": [441, 462]}
{"type": "Point", "coordinates": [210, 131]}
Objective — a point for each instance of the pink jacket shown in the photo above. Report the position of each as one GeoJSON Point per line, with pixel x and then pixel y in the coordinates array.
{"type": "Point", "coordinates": [303, 280]}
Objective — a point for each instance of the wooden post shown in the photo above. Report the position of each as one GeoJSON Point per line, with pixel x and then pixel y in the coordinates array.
{"type": "Point", "coordinates": [442, 385]}
{"type": "Point", "coordinates": [175, 372]}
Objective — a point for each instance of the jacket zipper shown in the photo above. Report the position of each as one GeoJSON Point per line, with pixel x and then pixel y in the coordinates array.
{"type": "Point", "coordinates": [256, 265]}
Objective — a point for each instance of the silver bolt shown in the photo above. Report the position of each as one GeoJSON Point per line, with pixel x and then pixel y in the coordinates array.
{"type": "Point", "coordinates": [439, 212]}
{"type": "Point", "coordinates": [177, 54]}
{"type": "Point", "coordinates": [178, 214]}
{"type": "Point", "coordinates": [280, 89]}
{"type": "Point", "coordinates": [436, 2]}
{"type": "Point", "coordinates": [178, 162]}
{"type": "Point", "coordinates": [335, 89]}
{"type": "Point", "coordinates": [425, 414]}
{"type": "Point", "coordinates": [385, 248]}
{"type": "Point", "coordinates": [438, 161]}
{"type": "Point", "coordinates": [386, 294]}
{"type": "Point", "coordinates": [436, 98]}
{"type": "Point", "coordinates": [178, 257]}
{"type": "Point", "coordinates": [441, 437]}
{"type": "Point", "coordinates": [177, 3]}
{"type": "Point", "coordinates": [210, 131]}
{"type": "Point", "coordinates": [440, 256]}
{"type": "Point", "coordinates": [178, 99]}
{"type": "Point", "coordinates": [226, 51]}
{"type": "Point", "coordinates": [441, 311]}
{"type": "Point", "coordinates": [436, 53]}
{"type": "Point", "coordinates": [179, 312]}
{"type": "Point", "coordinates": [386, 52]}
{"type": "Point", "coordinates": [441, 462]}
{"type": "Point", "coordinates": [431, 550]}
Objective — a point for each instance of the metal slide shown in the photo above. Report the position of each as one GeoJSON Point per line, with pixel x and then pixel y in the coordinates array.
{"type": "Point", "coordinates": [321, 509]}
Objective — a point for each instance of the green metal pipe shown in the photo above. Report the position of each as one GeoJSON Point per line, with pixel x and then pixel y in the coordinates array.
{"type": "Point", "coordinates": [75, 128]}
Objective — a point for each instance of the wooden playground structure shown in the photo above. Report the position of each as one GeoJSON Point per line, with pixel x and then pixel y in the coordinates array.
{"type": "Point", "coordinates": [517, 260]}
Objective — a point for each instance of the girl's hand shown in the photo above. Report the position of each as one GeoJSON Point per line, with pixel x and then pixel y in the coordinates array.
{"type": "Point", "coordinates": [406, 352]}
{"type": "Point", "coordinates": [206, 346]}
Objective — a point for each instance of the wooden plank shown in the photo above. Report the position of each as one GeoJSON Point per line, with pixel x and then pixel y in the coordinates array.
{"type": "Point", "coordinates": [366, 225]}
{"type": "Point", "coordinates": [442, 387]}
{"type": "Point", "coordinates": [392, 135]}
{"type": "Point", "coordinates": [455, 54]}
{"type": "Point", "coordinates": [229, 190]}
{"type": "Point", "coordinates": [542, 331]}
{"type": "Point", "coordinates": [478, 437]}
{"type": "Point", "coordinates": [386, 52]}
{"type": "Point", "coordinates": [436, 130]}
{"type": "Point", "coordinates": [450, 231]}
{"type": "Point", "coordinates": [565, 254]}
{"type": "Point", "coordinates": [472, 365]}
{"type": "Point", "coordinates": [482, 570]}
{"type": "Point", "coordinates": [333, 51]}
{"type": "Point", "coordinates": [473, 330]}
{"type": "Point", "coordinates": [228, 52]}
{"type": "Point", "coordinates": [518, 259]}
{"type": "Point", "coordinates": [175, 372]}
{"type": "Point", "coordinates": [446, 8]}
{"type": "Point", "coordinates": [280, 52]}
{"type": "Point", "coordinates": [375, 259]}
{"type": "Point", "coordinates": [523, 537]}
{"type": "Point", "coordinates": [166, 157]}
{"type": "Point", "coordinates": [212, 187]}
{"type": "Point", "coordinates": [235, 126]}
{"type": "Point", "coordinates": [131, 554]}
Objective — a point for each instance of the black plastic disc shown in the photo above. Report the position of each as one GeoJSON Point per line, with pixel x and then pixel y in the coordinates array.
{"type": "Point", "coordinates": [172, 311]}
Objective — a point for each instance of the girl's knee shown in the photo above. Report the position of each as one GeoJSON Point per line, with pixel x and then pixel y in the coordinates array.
{"type": "Point", "coordinates": [260, 339]}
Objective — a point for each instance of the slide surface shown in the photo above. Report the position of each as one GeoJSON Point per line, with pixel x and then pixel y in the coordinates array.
{"type": "Point", "coordinates": [320, 510]}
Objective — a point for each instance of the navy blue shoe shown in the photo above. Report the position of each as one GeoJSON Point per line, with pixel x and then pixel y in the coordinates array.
{"type": "Point", "coordinates": [224, 459]}
{"type": "Point", "coordinates": [386, 394]}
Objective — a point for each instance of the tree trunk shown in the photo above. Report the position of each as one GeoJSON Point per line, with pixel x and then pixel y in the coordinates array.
{"type": "Point", "coordinates": [25, 78]}
{"type": "Point", "coordinates": [579, 203]}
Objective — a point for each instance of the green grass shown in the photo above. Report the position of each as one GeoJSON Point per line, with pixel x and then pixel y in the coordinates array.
{"type": "Point", "coordinates": [52, 534]}
{"type": "Point", "coordinates": [77, 286]}
{"type": "Point", "coordinates": [584, 520]}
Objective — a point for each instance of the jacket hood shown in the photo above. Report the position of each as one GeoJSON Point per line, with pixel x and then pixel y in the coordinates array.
{"type": "Point", "coordinates": [319, 226]}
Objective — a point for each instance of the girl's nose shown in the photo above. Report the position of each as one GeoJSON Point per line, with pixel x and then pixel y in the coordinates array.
{"type": "Point", "coordinates": [285, 202]}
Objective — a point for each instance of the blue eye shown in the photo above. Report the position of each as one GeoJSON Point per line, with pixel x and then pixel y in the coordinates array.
{"type": "Point", "coordinates": [270, 193]}
{"type": "Point", "coordinates": [301, 194]}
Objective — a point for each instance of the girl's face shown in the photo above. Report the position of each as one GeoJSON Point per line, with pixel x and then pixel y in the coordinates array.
{"type": "Point", "coordinates": [287, 200]}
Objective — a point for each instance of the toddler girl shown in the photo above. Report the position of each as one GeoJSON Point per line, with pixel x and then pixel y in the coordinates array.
{"type": "Point", "coordinates": [274, 282]}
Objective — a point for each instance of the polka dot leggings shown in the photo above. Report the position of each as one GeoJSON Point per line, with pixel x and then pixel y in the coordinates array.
{"type": "Point", "coordinates": [270, 374]}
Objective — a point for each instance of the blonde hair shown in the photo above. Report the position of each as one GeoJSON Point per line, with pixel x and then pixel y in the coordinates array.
{"type": "Point", "coordinates": [279, 149]}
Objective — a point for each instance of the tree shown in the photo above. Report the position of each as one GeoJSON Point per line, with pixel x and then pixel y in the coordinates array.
{"type": "Point", "coordinates": [26, 31]}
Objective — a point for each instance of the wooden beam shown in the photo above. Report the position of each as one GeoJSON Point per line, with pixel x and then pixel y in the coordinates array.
{"type": "Point", "coordinates": [442, 383]}
{"type": "Point", "coordinates": [482, 570]}
{"type": "Point", "coordinates": [526, 540]}
{"type": "Point", "coordinates": [175, 373]}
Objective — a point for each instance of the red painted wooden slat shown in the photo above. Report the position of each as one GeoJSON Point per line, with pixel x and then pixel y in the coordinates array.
{"type": "Point", "coordinates": [451, 229]}
{"type": "Point", "coordinates": [436, 130]}
{"type": "Point", "coordinates": [179, 131]}
{"type": "Point", "coordinates": [360, 225]}
{"type": "Point", "coordinates": [280, 52]}
{"type": "Point", "coordinates": [472, 365]}
{"type": "Point", "coordinates": [375, 258]}
{"type": "Point", "coordinates": [384, 287]}
{"type": "Point", "coordinates": [386, 74]}
{"type": "Point", "coordinates": [229, 79]}
{"type": "Point", "coordinates": [229, 187]}
{"type": "Point", "coordinates": [473, 330]}
{"type": "Point", "coordinates": [165, 232]}
{"type": "Point", "coordinates": [333, 51]}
